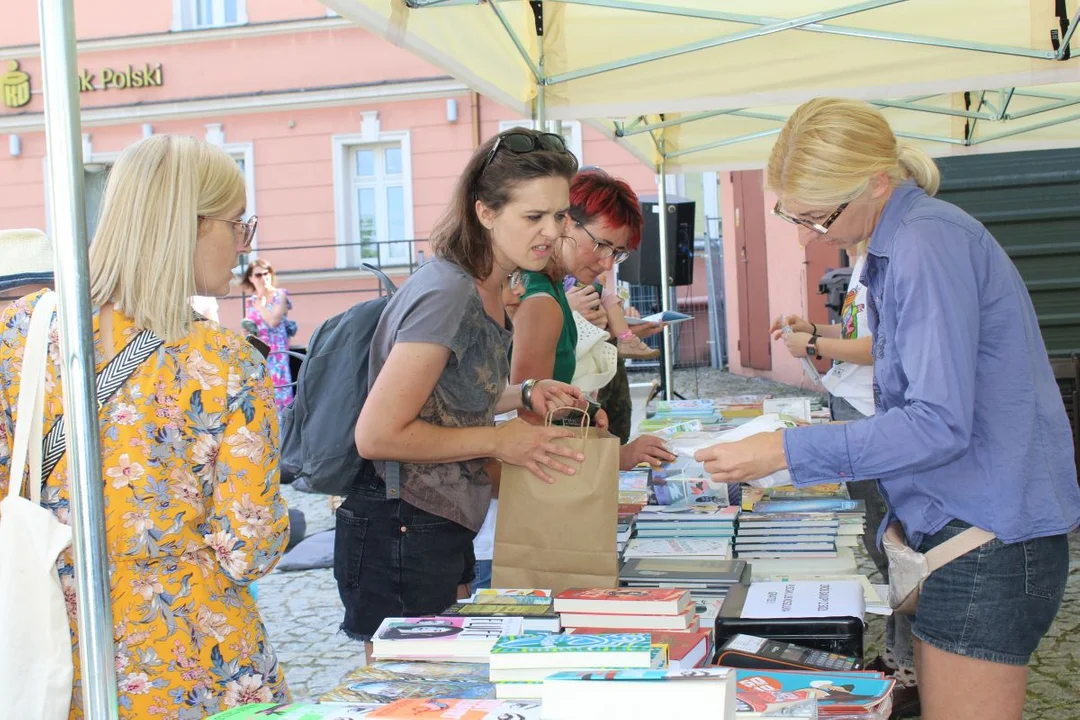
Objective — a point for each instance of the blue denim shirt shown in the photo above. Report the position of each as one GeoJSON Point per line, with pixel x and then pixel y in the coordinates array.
{"type": "Point", "coordinates": [969, 421]}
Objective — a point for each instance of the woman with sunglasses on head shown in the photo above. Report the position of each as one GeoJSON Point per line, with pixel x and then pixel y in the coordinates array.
{"type": "Point", "coordinates": [603, 228]}
{"type": "Point", "coordinates": [438, 377]}
{"type": "Point", "coordinates": [969, 429]}
{"type": "Point", "coordinates": [188, 441]}
{"type": "Point", "coordinates": [267, 309]}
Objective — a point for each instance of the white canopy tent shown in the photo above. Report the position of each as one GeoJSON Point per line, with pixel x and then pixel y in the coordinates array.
{"type": "Point", "coordinates": [704, 84]}
{"type": "Point", "coordinates": [582, 59]}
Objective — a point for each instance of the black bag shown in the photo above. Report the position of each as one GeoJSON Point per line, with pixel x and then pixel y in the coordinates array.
{"type": "Point", "coordinates": [318, 452]}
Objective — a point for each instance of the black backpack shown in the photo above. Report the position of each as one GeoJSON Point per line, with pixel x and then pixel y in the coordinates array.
{"type": "Point", "coordinates": [318, 449]}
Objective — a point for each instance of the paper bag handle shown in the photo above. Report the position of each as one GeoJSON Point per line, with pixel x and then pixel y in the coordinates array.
{"type": "Point", "coordinates": [584, 417]}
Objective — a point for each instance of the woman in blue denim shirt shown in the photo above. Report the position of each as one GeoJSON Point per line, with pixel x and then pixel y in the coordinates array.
{"type": "Point", "coordinates": [969, 427]}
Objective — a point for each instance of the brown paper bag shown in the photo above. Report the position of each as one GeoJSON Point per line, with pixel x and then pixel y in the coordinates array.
{"type": "Point", "coordinates": [560, 535]}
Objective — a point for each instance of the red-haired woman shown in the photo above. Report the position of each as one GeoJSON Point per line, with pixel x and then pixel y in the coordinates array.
{"type": "Point", "coordinates": [605, 227]}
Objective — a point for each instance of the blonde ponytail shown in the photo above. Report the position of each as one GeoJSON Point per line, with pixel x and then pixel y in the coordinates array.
{"type": "Point", "coordinates": [921, 168]}
{"type": "Point", "coordinates": [830, 149]}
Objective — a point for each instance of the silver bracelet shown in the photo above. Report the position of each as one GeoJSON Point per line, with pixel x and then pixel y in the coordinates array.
{"type": "Point", "coordinates": [526, 394]}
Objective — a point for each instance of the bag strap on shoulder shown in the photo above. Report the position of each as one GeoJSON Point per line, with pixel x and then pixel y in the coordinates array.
{"type": "Point", "coordinates": [108, 382]}
{"type": "Point", "coordinates": [954, 547]}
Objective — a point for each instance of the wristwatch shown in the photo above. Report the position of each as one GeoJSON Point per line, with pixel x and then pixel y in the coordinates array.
{"type": "Point", "coordinates": [811, 346]}
{"type": "Point", "coordinates": [526, 394]}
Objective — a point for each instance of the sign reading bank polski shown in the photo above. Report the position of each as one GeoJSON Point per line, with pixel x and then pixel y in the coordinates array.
{"type": "Point", "coordinates": [120, 79]}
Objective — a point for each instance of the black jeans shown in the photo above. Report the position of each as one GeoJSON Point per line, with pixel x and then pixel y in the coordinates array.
{"type": "Point", "coordinates": [392, 559]}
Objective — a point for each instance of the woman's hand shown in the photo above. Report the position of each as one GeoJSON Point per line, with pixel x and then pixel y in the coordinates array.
{"type": "Point", "coordinates": [550, 395]}
{"type": "Point", "coordinates": [583, 299]}
{"type": "Point", "coordinates": [745, 460]}
{"type": "Point", "coordinates": [795, 322]}
{"type": "Point", "coordinates": [645, 449]}
{"type": "Point", "coordinates": [796, 343]}
{"type": "Point", "coordinates": [532, 447]}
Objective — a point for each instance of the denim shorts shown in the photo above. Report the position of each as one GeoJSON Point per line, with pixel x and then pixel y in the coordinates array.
{"type": "Point", "coordinates": [392, 559]}
{"type": "Point", "coordinates": [996, 602]}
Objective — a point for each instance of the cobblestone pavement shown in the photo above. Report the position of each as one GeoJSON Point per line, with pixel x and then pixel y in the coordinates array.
{"type": "Point", "coordinates": [302, 610]}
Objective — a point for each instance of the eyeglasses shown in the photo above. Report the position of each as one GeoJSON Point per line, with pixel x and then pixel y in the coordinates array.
{"type": "Point", "coordinates": [517, 279]}
{"type": "Point", "coordinates": [820, 228]}
{"type": "Point", "coordinates": [603, 248]}
{"type": "Point", "coordinates": [248, 232]}
{"type": "Point", "coordinates": [523, 142]}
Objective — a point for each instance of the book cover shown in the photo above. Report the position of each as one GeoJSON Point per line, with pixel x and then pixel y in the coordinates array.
{"type": "Point", "coordinates": [810, 505]}
{"type": "Point", "coordinates": [713, 572]}
{"type": "Point", "coordinates": [680, 644]}
{"type": "Point", "coordinates": [552, 644]}
{"type": "Point", "coordinates": [445, 629]}
{"type": "Point", "coordinates": [653, 675]}
{"type": "Point", "coordinates": [697, 512]}
{"type": "Point", "coordinates": [299, 711]}
{"type": "Point", "coordinates": [676, 547]}
{"type": "Point", "coordinates": [761, 690]}
{"type": "Point", "coordinates": [414, 671]}
{"type": "Point", "coordinates": [373, 690]}
{"type": "Point", "coordinates": [513, 592]}
{"type": "Point", "coordinates": [489, 609]}
{"type": "Point", "coordinates": [458, 709]}
{"type": "Point", "coordinates": [520, 600]}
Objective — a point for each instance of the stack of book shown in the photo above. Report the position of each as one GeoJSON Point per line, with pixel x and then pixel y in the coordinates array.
{"type": "Point", "coordinates": [385, 681]}
{"type": "Point", "coordinates": [697, 548]}
{"type": "Point", "coordinates": [672, 413]}
{"type": "Point", "coordinates": [705, 520]}
{"type": "Point", "coordinates": [634, 486]}
{"type": "Point", "coordinates": [518, 665]}
{"type": "Point", "coordinates": [537, 613]}
{"type": "Point", "coordinates": [705, 579]}
{"type": "Point", "coordinates": [643, 609]}
{"type": "Point", "coordinates": [448, 639]}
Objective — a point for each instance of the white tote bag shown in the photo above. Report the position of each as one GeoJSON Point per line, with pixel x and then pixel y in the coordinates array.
{"type": "Point", "coordinates": [35, 641]}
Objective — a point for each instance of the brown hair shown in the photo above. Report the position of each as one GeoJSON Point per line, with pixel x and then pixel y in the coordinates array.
{"type": "Point", "coordinates": [458, 236]}
{"type": "Point", "coordinates": [245, 281]}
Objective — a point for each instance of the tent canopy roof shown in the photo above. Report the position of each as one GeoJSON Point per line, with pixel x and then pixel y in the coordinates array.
{"type": "Point", "coordinates": [618, 61]}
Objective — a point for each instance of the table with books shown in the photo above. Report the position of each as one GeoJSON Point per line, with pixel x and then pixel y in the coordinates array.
{"type": "Point", "coordinates": [701, 570]}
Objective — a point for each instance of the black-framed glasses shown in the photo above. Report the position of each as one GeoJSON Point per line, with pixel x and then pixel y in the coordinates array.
{"type": "Point", "coordinates": [603, 248]}
{"type": "Point", "coordinates": [525, 142]}
{"type": "Point", "coordinates": [821, 228]}
{"type": "Point", "coordinates": [248, 232]}
{"type": "Point", "coordinates": [517, 279]}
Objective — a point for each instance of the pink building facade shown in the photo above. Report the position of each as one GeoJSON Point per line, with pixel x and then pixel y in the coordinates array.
{"type": "Point", "coordinates": [350, 145]}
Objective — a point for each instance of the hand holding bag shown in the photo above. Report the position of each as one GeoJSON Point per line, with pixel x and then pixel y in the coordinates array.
{"type": "Point", "coordinates": [909, 569]}
{"type": "Point", "coordinates": [561, 535]}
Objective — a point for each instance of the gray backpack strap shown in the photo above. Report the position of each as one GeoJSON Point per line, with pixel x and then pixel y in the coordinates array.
{"type": "Point", "coordinates": [392, 478]}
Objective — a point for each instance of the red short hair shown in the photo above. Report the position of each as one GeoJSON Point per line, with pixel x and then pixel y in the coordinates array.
{"type": "Point", "coordinates": [596, 195]}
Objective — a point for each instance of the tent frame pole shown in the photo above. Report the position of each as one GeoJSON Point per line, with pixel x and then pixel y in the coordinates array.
{"type": "Point", "coordinates": [68, 221]}
{"type": "Point", "coordinates": [665, 277]}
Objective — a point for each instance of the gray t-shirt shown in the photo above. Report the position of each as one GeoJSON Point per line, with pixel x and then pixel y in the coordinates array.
{"type": "Point", "coordinates": [440, 304]}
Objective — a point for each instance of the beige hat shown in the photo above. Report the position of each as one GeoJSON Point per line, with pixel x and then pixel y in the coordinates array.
{"type": "Point", "coordinates": [26, 258]}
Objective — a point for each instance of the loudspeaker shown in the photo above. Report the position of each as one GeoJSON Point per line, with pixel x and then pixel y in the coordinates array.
{"type": "Point", "coordinates": [643, 266]}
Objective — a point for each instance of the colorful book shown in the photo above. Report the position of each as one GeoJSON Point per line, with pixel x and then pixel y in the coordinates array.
{"type": "Point", "coordinates": [625, 650]}
{"type": "Point", "coordinates": [441, 638]}
{"type": "Point", "coordinates": [535, 618]}
{"type": "Point", "coordinates": [458, 709]}
{"type": "Point", "coordinates": [685, 621]}
{"type": "Point", "coordinates": [685, 650]}
{"type": "Point", "coordinates": [836, 694]}
{"type": "Point", "coordinates": [623, 601]}
{"type": "Point", "coordinates": [300, 711]}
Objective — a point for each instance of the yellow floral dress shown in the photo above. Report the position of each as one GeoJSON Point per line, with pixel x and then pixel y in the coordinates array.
{"type": "Point", "coordinates": [192, 516]}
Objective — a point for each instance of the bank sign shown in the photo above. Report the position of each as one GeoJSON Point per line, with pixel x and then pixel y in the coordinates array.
{"type": "Point", "coordinates": [15, 85]}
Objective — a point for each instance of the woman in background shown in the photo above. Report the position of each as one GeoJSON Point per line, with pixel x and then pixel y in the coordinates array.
{"type": "Point", "coordinates": [268, 309]}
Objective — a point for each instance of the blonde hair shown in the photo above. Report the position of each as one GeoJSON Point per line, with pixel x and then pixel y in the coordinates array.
{"type": "Point", "coordinates": [830, 149]}
{"type": "Point", "coordinates": [143, 255]}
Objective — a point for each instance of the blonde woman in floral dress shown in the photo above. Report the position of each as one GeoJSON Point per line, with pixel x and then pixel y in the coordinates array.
{"type": "Point", "coordinates": [192, 509]}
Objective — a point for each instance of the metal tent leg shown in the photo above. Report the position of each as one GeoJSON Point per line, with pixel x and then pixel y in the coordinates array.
{"type": "Point", "coordinates": [665, 278]}
{"type": "Point", "coordinates": [64, 147]}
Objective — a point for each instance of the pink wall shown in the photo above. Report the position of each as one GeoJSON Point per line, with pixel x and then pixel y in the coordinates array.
{"type": "Point", "coordinates": [787, 286]}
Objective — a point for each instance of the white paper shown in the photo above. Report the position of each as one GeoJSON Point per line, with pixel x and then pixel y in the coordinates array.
{"type": "Point", "coordinates": [766, 600]}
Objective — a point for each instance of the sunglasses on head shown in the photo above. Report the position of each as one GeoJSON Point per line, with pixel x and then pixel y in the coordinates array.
{"type": "Point", "coordinates": [517, 279]}
{"type": "Point", "coordinates": [524, 142]}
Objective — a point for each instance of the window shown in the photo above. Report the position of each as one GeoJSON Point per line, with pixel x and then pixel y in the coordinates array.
{"type": "Point", "coordinates": [571, 132]}
{"type": "Point", "coordinates": [199, 14]}
{"type": "Point", "coordinates": [374, 204]}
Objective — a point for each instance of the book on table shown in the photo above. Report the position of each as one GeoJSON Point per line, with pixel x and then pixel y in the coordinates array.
{"type": "Point", "coordinates": [688, 620]}
{"type": "Point", "coordinates": [462, 639]}
{"type": "Point", "coordinates": [534, 618]}
{"type": "Point", "coordinates": [458, 709]}
{"type": "Point", "coordinates": [621, 650]}
{"type": "Point", "coordinates": [623, 601]}
{"type": "Point", "coordinates": [633, 694]}
{"type": "Point", "coordinates": [685, 649]}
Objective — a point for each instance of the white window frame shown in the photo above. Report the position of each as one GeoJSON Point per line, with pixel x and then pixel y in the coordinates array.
{"type": "Point", "coordinates": [571, 128]}
{"type": "Point", "coordinates": [246, 151]}
{"type": "Point", "coordinates": [344, 147]}
{"type": "Point", "coordinates": [182, 8]}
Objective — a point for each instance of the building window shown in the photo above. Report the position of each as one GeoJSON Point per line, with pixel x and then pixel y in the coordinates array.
{"type": "Point", "coordinates": [374, 203]}
{"type": "Point", "coordinates": [199, 14]}
{"type": "Point", "coordinates": [571, 132]}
